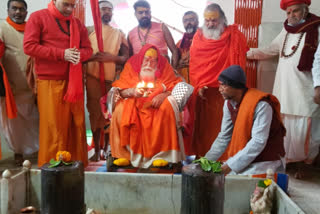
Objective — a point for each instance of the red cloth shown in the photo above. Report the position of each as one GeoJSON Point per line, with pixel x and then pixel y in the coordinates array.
{"type": "Point", "coordinates": [46, 42]}
{"type": "Point", "coordinates": [18, 27]}
{"type": "Point", "coordinates": [286, 3]}
{"type": "Point", "coordinates": [2, 48]}
{"type": "Point", "coordinates": [208, 58]}
{"type": "Point", "coordinates": [310, 27]}
{"type": "Point", "coordinates": [98, 29]}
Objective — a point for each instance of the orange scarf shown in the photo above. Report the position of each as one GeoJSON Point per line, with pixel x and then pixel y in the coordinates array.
{"type": "Point", "coordinates": [11, 107]}
{"type": "Point", "coordinates": [75, 86]}
{"type": "Point", "coordinates": [18, 27]}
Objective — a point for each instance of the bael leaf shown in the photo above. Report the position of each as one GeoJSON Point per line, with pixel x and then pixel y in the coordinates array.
{"type": "Point", "coordinates": [55, 164]}
{"type": "Point", "coordinates": [67, 163]}
{"type": "Point", "coordinates": [216, 166]}
{"type": "Point", "coordinates": [52, 161]}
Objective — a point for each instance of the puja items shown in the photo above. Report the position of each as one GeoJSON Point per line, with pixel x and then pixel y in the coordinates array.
{"type": "Point", "coordinates": [147, 87]}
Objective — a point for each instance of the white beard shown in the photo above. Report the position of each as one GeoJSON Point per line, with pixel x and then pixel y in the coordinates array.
{"type": "Point", "coordinates": [213, 33]}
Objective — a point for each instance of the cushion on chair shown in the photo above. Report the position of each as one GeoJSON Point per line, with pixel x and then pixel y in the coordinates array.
{"type": "Point", "coordinates": [181, 92]}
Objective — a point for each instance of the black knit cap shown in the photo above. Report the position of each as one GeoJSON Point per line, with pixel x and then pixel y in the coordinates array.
{"type": "Point", "coordinates": [233, 76]}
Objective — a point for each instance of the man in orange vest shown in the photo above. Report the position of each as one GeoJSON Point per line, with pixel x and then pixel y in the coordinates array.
{"type": "Point", "coordinates": [252, 132]}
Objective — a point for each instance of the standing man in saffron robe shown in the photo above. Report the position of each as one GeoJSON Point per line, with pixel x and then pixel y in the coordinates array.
{"type": "Point", "coordinates": [148, 32]}
{"type": "Point", "coordinates": [59, 43]}
{"type": "Point", "coordinates": [116, 52]}
{"type": "Point", "coordinates": [296, 87]}
{"type": "Point", "coordinates": [215, 47]}
{"type": "Point", "coordinates": [143, 129]}
{"type": "Point", "coordinates": [251, 131]}
{"type": "Point", "coordinates": [22, 132]}
{"type": "Point", "coordinates": [190, 23]}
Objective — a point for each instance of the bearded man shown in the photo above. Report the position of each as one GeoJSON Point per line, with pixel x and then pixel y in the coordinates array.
{"type": "Point", "coordinates": [190, 23]}
{"type": "Point", "coordinates": [116, 52]}
{"type": "Point", "coordinates": [296, 87]}
{"type": "Point", "coordinates": [143, 126]}
{"type": "Point", "coordinates": [148, 32]}
{"type": "Point", "coordinates": [215, 46]}
{"type": "Point", "coordinates": [21, 132]}
{"type": "Point", "coordinates": [59, 43]}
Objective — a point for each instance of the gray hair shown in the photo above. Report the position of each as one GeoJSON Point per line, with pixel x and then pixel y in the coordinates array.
{"type": "Point", "coordinates": [216, 7]}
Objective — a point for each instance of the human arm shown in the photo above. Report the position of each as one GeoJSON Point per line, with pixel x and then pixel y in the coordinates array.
{"type": "Point", "coordinates": [316, 76]}
{"type": "Point", "coordinates": [32, 45]}
{"type": "Point", "coordinates": [224, 137]}
{"type": "Point", "coordinates": [259, 136]}
{"type": "Point", "coordinates": [108, 57]}
{"type": "Point", "coordinates": [131, 92]}
{"type": "Point", "coordinates": [130, 46]}
{"type": "Point", "coordinates": [170, 42]}
{"type": "Point", "coordinates": [267, 52]}
{"type": "Point", "coordinates": [158, 99]}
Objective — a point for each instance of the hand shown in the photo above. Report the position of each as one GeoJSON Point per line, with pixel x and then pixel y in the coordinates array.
{"type": "Point", "coordinates": [201, 92]}
{"type": "Point", "coordinates": [116, 96]}
{"type": "Point", "coordinates": [138, 92]}
{"type": "Point", "coordinates": [184, 61]}
{"type": "Point", "coordinates": [225, 169]}
{"type": "Point", "coordinates": [316, 97]}
{"type": "Point", "coordinates": [104, 57]}
{"type": "Point", "coordinates": [158, 100]}
{"type": "Point", "coordinates": [72, 55]}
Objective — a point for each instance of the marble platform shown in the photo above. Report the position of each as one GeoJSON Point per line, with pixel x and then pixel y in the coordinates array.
{"type": "Point", "coordinates": [119, 193]}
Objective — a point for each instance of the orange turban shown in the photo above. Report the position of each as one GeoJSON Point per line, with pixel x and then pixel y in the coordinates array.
{"type": "Point", "coordinates": [286, 3]}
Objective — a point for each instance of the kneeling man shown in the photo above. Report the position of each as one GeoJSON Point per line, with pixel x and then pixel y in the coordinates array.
{"type": "Point", "coordinates": [144, 126]}
{"type": "Point", "coordinates": [251, 131]}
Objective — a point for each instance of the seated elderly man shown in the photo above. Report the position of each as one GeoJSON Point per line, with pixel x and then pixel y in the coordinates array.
{"type": "Point", "coordinates": [144, 121]}
{"type": "Point", "coordinates": [251, 131]}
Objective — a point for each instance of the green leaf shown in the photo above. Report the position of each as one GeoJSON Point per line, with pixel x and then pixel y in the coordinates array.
{"type": "Point", "coordinates": [56, 163]}
{"type": "Point", "coordinates": [52, 161]}
{"type": "Point", "coordinates": [216, 166]}
{"type": "Point", "coordinates": [67, 163]}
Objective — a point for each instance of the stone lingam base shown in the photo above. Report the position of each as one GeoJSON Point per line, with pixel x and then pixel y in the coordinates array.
{"type": "Point", "coordinates": [134, 193]}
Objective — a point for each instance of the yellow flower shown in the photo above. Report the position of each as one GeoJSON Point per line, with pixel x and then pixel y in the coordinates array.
{"type": "Point", "coordinates": [267, 182]}
{"type": "Point", "coordinates": [63, 156]}
{"type": "Point", "coordinates": [121, 162]}
{"type": "Point", "coordinates": [159, 163]}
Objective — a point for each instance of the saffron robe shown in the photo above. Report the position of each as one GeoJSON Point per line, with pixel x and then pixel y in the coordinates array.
{"type": "Point", "coordinates": [112, 40]}
{"type": "Point", "coordinates": [208, 58]}
{"type": "Point", "coordinates": [143, 134]}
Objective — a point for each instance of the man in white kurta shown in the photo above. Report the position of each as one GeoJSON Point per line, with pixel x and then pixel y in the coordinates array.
{"type": "Point", "coordinates": [295, 85]}
{"type": "Point", "coordinates": [21, 133]}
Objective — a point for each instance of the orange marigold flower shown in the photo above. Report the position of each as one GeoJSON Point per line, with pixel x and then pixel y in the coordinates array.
{"type": "Point", "coordinates": [63, 156]}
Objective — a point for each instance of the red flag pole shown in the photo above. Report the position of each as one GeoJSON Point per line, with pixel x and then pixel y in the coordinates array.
{"type": "Point", "coordinates": [98, 29]}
